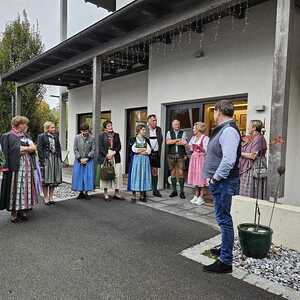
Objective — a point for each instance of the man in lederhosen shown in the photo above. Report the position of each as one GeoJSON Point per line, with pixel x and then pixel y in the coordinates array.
{"type": "Point", "coordinates": [156, 139]}
{"type": "Point", "coordinates": [176, 141]}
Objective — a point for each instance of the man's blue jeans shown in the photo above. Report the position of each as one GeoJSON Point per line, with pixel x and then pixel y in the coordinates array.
{"type": "Point", "coordinates": [222, 194]}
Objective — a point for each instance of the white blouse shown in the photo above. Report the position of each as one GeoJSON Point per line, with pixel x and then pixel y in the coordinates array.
{"type": "Point", "coordinates": [194, 141]}
{"type": "Point", "coordinates": [135, 149]}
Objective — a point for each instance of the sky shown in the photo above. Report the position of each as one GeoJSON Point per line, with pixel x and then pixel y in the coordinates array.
{"type": "Point", "coordinates": [46, 13]}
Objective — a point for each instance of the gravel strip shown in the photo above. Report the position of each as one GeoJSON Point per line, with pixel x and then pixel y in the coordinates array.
{"type": "Point", "coordinates": [281, 266]}
{"type": "Point", "coordinates": [64, 191]}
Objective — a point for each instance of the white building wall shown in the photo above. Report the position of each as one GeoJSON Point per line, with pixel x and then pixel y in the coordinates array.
{"type": "Point", "coordinates": [240, 61]}
{"type": "Point", "coordinates": [117, 95]}
{"type": "Point", "coordinates": [292, 194]}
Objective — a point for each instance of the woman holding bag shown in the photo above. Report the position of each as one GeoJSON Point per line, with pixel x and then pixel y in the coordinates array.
{"type": "Point", "coordinates": [109, 155]}
{"type": "Point", "coordinates": [254, 151]}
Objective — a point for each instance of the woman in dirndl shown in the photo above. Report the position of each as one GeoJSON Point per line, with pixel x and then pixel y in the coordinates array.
{"type": "Point", "coordinates": [198, 147]}
{"type": "Point", "coordinates": [139, 177]}
{"type": "Point", "coordinates": [109, 151]}
{"type": "Point", "coordinates": [83, 169]}
{"type": "Point", "coordinates": [254, 147]}
{"type": "Point", "coordinates": [19, 187]}
{"type": "Point", "coordinates": [49, 151]}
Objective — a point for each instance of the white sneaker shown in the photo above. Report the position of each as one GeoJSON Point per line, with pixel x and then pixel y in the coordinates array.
{"type": "Point", "coordinates": [199, 201]}
{"type": "Point", "coordinates": [194, 200]}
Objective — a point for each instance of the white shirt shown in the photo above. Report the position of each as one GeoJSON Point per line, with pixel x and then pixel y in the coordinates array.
{"type": "Point", "coordinates": [176, 134]}
{"type": "Point", "coordinates": [153, 142]}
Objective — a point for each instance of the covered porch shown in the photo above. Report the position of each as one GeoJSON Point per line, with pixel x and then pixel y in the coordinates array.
{"type": "Point", "coordinates": [122, 44]}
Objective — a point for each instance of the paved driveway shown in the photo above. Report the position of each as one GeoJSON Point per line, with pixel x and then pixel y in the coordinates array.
{"type": "Point", "coordinates": [98, 250]}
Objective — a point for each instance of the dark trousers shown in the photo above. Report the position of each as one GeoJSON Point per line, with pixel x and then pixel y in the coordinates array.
{"type": "Point", "coordinates": [222, 194]}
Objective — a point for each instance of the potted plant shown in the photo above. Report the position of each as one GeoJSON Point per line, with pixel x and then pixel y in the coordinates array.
{"type": "Point", "coordinates": [256, 239]}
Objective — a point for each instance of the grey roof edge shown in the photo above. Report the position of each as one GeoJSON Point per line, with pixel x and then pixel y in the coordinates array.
{"type": "Point", "coordinates": [106, 19]}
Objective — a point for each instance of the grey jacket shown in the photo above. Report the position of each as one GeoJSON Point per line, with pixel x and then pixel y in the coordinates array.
{"type": "Point", "coordinates": [84, 147]}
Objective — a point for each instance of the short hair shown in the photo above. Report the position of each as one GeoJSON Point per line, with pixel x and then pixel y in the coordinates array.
{"type": "Point", "coordinates": [84, 127]}
{"type": "Point", "coordinates": [200, 126]}
{"type": "Point", "coordinates": [257, 124]}
{"type": "Point", "coordinates": [175, 120]}
{"type": "Point", "coordinates": [226, 107]}
{"type": "Point", "coordinates": [139, 128]}
{"type": "Point", "coordinates": [151, 116]}
{"type": "Point", "coordinates": [107, 122]}
{"type": "Point", "coordinates": [18, 120]}
{"type": "Point", "coordinates": [47, 125]}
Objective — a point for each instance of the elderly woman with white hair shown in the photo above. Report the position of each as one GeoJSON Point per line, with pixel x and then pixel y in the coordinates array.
{"type": "Point", "coordinates": [18, 190]}
{"type": "Point", "coordinates": [198, 146]}
{"type": "Point", "coordinates": [49, 151]}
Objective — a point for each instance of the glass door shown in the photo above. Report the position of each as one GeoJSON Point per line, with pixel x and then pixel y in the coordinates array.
{"type": "Point", "coordinates": [188, 115]}
{"type": "Point", "coordinates": [135, 117]}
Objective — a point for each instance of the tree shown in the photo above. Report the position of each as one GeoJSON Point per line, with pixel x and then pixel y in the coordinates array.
{"type": "Point", "coordinates": [41, 114]}
{"type": "Point", "coordinates": [20, 42]}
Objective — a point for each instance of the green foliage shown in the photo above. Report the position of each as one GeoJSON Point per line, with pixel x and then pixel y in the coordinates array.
{"type": "Point", "coordinates": [20, 42]}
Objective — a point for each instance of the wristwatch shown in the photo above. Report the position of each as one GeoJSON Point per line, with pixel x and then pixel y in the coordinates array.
{"type": "Point", "coordinates": [213, 180]}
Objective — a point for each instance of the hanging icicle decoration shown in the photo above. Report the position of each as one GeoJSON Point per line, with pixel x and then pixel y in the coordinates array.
{"type": "Point", "coordinates": [218, 21]}
{"type": "Point", "coordinates": [232, 18]}
{"type": "Point", "coordinates": [190, 32]}
{"type": "Point", "coordinates": [246, 15]}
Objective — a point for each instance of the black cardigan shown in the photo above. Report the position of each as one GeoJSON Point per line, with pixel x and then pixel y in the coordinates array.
{"type": "Point", "coordinates": [104, 147]}
{"type": "Point", "coordinates": [43, 147]}
{"type": "Point", "coordinates": [11, 146]}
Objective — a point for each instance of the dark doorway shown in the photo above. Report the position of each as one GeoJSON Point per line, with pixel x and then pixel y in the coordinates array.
{"type": "Point", "coordinates": [134, 117]}
{"type": "Point", "coordinates": [202, 111]}
{"type": "Point", "coordinates": [87, 119]}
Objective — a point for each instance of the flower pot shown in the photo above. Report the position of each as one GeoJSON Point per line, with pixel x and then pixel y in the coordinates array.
{"type": "Point", "coordinates": [255, 242]}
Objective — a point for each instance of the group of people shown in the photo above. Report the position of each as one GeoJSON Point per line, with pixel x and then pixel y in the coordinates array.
{"type": "Point", "coordinates": [224, 162]}
{"type": "Point", "coordinates": [29, 170]}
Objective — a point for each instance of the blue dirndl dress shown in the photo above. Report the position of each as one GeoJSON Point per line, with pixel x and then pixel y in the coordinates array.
{"type": "Point", "coordinates": [83, 176]}
{"type": "Point", "coordinates": [139, 176]}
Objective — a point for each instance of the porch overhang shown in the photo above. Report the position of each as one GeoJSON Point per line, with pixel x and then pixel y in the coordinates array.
{"type": "Point", "coordinates": [107, 4]}
{"type": "Point", "coordinates": [70, 63]}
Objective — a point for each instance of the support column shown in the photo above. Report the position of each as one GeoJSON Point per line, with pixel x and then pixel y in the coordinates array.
{"type": "Point", "coordinates": [18, 102]}
{"type": "Point", "coordinates": [62, 90]}
{"type": "Point", "coordinates": [63, 20]}
{"type": "Point", "coordinates": [62, 120]}
{"type": "Point", "coordinates": [281, 88]}
{"type": "Point", "coordinates": [97, 84]}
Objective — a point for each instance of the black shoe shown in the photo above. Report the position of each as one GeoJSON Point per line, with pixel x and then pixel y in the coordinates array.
{"type": "Point", "coordinates": [52, 202]}
{"type": "Point", "coordinates": [143, 200]}
{"type": "Point", "coordinates": [157, 194]}
{"type": "Point", "coordinates": [218, 267]}
{"type": "Point", "coordinates": [182, 195]}
{"type": "Point", "coordinates": [87, 197]}
{"type": "Point", "coordinates": [80, 196]}
{"type": "Point", "coordinates": [173, 194]}
{"type": "Point", "coordinates": [133, 200]}
{"type": "Point", "coordinates": [215, 252]}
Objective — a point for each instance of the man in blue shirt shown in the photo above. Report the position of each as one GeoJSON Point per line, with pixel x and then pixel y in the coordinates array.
{"type": "Point", "coordinates": [221, 168]}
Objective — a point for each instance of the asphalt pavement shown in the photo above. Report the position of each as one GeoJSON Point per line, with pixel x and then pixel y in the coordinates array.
{"type": "Point", "coordinates": [81, 249]}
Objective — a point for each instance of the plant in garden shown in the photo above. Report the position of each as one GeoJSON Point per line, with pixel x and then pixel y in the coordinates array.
{"type": "Point", "coordinates": [20, 42]}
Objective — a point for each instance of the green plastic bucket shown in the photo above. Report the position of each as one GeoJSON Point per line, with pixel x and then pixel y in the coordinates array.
{"type": "Point", "coordinates": [255, 241]}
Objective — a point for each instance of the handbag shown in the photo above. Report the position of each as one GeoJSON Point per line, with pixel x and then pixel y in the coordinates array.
{"type": "Point", "coordinates": [107, 171]}
{"type": "Point", "coordinates": [260, 168]}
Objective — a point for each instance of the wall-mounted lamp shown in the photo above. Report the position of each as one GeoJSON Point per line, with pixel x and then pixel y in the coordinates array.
{"type": "Point", "coordinates": [260, 108]}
